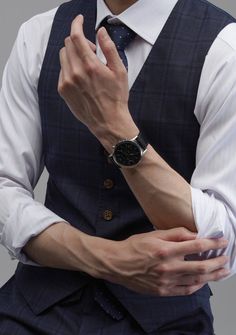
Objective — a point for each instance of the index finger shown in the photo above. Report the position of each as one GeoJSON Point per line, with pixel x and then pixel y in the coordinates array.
{"type": "Point", "coordinates": [78, 38]}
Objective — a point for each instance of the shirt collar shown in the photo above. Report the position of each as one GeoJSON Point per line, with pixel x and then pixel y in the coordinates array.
{"type": "Point", "coordinates": [146, 18]}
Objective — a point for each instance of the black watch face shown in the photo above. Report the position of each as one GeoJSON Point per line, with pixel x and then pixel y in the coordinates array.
{"type": "Point", "coordinates": [127, 153]}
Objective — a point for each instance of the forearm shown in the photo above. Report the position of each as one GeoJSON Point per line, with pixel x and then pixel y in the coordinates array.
{"type": "Point", "coordinates": [102, 93]}
{"type": "Point", "coordinates": [65, 247]}
{"type": "Point", "coordinates": [136, 263]}
{"type": "Point", "coordinates": [163, 194]}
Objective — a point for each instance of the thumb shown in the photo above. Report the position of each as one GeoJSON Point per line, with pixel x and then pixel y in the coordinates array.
{"type": "Point", "coordinates": [176, 235]}
{"type": "Point", "coordinates": [109, 50]}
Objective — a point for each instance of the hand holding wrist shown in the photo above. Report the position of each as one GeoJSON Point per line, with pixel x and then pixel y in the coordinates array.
{"type": "Point", "coordinates": [154, 263]}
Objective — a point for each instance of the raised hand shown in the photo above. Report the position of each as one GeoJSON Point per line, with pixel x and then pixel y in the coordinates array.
{"type": "Point", "coordinates": [96, 94]}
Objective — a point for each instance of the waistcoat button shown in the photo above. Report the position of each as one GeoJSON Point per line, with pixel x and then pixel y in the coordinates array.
{"type": "Point", "coordinates": [107, 215]}
{"type": "Point", "coordinates": [108, 184]}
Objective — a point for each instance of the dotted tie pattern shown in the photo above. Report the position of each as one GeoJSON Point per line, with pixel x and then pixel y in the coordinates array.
{"type": "Point", "coordinates": [121, 36]}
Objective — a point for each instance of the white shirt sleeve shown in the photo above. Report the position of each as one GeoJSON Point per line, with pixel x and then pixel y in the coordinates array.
{"type": "Point", "coordinates": [213, 183]}
{"type": "Point", "coordinates": [21, 159]}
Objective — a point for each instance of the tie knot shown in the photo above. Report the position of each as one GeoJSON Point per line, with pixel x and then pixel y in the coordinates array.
{"type": "Point", "coordinates": [120, 34]}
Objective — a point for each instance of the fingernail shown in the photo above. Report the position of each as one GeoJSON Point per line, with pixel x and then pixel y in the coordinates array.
{"type": "Point", "coordinates": [225, 273]}
{"type": "Point", "coordinates": [80, 16]}
{"type": "Point", "coordinates": [225, 259]}
{"type": "Point", "coordinates": [224, 243]}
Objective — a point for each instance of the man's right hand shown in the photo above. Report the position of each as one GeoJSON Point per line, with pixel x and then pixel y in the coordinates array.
{"type": "Point", "coordinates": [154, 263]}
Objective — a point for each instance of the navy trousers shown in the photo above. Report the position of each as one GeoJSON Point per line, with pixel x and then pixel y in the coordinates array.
{"type": "Point", "coordinates": [80, 314]}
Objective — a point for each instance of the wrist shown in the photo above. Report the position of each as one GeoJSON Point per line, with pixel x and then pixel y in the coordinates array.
{"type": "Point", "coordinates": [95, 254]}
{"type": "Point", "coordinates": [110, 134]}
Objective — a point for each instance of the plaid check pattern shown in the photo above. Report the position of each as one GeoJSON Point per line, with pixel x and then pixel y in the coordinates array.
{"type": "Point", "coordinates": [161, 102]}
{"type": "Point", "coordinates": [80, 314]}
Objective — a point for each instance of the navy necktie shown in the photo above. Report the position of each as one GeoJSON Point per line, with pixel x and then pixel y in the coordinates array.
{"type": "Point", "coordinates": [121, 36]}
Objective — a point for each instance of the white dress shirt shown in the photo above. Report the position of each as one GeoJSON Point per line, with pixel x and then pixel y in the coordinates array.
{"type": "Point", "coordinates": [213, 184]}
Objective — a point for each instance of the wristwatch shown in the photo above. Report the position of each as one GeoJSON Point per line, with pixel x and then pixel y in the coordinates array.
{"type": "Point", "coordinates": [129, 153]}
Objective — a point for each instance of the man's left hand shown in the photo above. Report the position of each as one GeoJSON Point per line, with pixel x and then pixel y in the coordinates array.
{"type": "Point", "coordinates": [96, 94]}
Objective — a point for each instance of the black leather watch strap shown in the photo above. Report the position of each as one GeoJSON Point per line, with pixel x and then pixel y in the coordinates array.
{"type": "Point", "coordinates": [142, 141]}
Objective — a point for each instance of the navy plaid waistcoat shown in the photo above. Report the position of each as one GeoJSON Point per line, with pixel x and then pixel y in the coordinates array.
{"type": "Point", "coordinates": [161, 102]}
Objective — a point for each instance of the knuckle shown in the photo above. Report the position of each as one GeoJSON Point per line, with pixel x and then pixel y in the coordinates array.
{"type": "Point", "coordinates": [67, 40]}
{"type": "Point", "coordinates": [90, 67]}
{"type": "Point", "coordinates": [199, 245]}
{"type": "Point", "coordinates": [162, 269]}
{"type": "Point", "coordinates": [60, 88]}
{"type": "Point", "coordinates": [202, 269]}
{"type": "Point", "coordinates": [75, 37]}
{"type": "Point", "coordinates": [64, 86]}
{"type": "Point", "coordinates": [198, 280]}
{"type": "Point", "coordinates": [162, 253]}
{"type": "Point", "coordinates": [75, 76]}
{"type": "Point", "coordinates": [109, 46]}
{"type": "Point", "coordinates": [161, 291]}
